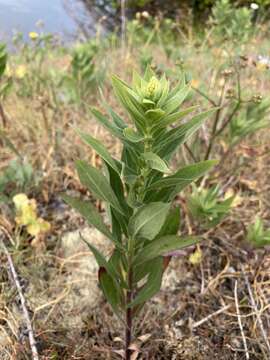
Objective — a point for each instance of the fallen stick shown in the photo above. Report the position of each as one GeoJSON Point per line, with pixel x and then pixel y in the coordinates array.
{"type": "Point", "coordinates": [31, 336]}
{"type": "Point", "coordinates": [202, 321]}
{"type": "Point", "coordinates": [239, 321]}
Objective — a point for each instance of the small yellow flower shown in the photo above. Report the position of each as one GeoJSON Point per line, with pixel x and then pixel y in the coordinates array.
{"type": "Point", "coordinates": [195, 83]}
{"type": "Point", "coordinates": [33, 35]}
{"type": "Point", "coordinates": [20, 72]}
{"type": "Point", "coordinates": [196, 257]}
{"type": "Point", "coordinates": [38, 227]}
{"type": "Point", "coordinates": [26, 211]}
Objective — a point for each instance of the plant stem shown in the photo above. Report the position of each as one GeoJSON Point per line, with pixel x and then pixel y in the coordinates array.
{"type": "Point", "coordinates": [128, 338]}
{"type": "Point", "coordinates": [215, 125]}
{"type": "Point", "coordinates": [3, 116]}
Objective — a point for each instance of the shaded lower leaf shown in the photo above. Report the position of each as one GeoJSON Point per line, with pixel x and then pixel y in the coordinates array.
{"type": "Point", "coordinates": [155, 162]}
{"type": "Point", "coordinates": [91, 215]}
{"type": "Point", "coordinates": [152, 285]}
{"type": "Point", "coordinates": [100, 149]}
{"type": "Point", "coordinates": [172, 223]}
{"type": "Point", "coordinates": [109, 289]}
{"type": "Point", "coordinates": [148, 220]}
{"type": "Point", "coordinates": [162, 246]}
{"type": "Point", "coordinates": [97, 183]}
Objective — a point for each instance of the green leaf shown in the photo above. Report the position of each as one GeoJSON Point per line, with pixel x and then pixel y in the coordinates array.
{"type": "Point", "coordinates": [101, 261]}
{"type": "Point", "coordinates": [154, 114]}
{"type": "Point", "coordinates": [107, 124]}
{"type": "Point", "coordinates": [175, 102]}
{"type": "Point", "coordinates": [129, 100]}
{"type": "Point", "coordinates": [140, 272]}
{"type": "Point", "coordinates": [100, 149]}
{"type": "Point", "coordinates": [152, 285]}
{"type": "Point", "coordinates": [109, 289]}
{"type": "Point", "coordinates": [162, 246]}
{"type": "Point", "coordinates": [148, 220]}
{"type": "Point", "coordinates": [170, 119]}
{"type": "Point", "coordinates": [116, 118]}
{"type": "Point", "coordinates": [184, 176]}
{"type": "Point", "coordinates": [172, 223]}
{"type": "Point", "coordinates": [91, 215]}
{"type": "Point", "coordinates": [96, 182]}
{"type": "Point", "coordinates": [3, 59]}
{"type": "Point", "coordinates": [155, 162]}
{"type": "Point", "coordinates": [166, 144]}
{"type": "Point", "coordinates": [119, 223]}
{"type": "Point", "coordinates": [131, 135]}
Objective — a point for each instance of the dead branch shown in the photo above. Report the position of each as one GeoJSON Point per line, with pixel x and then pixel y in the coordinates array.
{"type": "Point", "coordinates": [15, 278]}
{"type": "Point", "coordinates": [239, 320]}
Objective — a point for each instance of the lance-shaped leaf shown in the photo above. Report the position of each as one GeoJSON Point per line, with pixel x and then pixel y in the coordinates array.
{"type": "Point", "coordinates": [148, 220]}
{"type": "Point", "coordinates": [96, 183]}
{"type": "Point", "coordinates": [171, 224]}
{"type": "Point", "coordinates": [3, 59]}
{"type": "Point", "coordinates": [110, 290]}
{"type": "Point", "coordinates": [129, 101]}
{"type": "Point", "coordinates": [155, 162]}
{"type": "Point", "coordinates": [132, 135]}
{"type": "Point", "coordinates": [166, 144]}
{"type": "Point", "coordinates": [101, 261]}
{"type": "Point", "coordinates": [119, 223]}
{"type": "Point", "coordinates": [170, 119]}
{"type": "Point", "coordinates": [100, 149]}
{"type": "Point", "coordinates": [184, 176]}
{"type": "Point", "coordinates": [91, 215]}
{"type": "Point", "coordinates": [175, 102]}
{"type": "Point", "coordinates": [152, 285]}
{"type": "Point", "coordinates": [162, 246]}
{"type": "Point", "coordinates": [140, 272]}
{"type": "Point", "coordinates": [103, 120]}
{"type": "Point", "coordinates": [118, 121]}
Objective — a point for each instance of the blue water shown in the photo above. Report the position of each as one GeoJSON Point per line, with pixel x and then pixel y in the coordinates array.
{"type": "Point", "coordinates": [22, 16]}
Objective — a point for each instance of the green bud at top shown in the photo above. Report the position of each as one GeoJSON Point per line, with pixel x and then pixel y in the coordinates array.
{"type": "Point", "coordinates": [152, 88]}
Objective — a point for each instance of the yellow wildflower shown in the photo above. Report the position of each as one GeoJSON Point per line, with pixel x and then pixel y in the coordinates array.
{"type": "Point", "coordinates": [33, 35]}
{"type": "Point", "coordinates": [26, 211]}
{"type": "Point", "coordinates": [20, 72]}
{"type": "Point", "coordinates": [196, 257]}
{"type": "Point", "coordinates": [40, 226]}
{"type": "Point", "coordinates": [195, 83]}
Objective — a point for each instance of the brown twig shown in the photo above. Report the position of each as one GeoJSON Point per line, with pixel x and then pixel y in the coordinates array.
{"type": "Point", "coordinates": [239, 320]}
{"type": "Point", "coordinates": [3, 116]}
{"type": "Point", "coordinates": [15, 278]}
{"type": "Point", "coordinates": [202, 321]}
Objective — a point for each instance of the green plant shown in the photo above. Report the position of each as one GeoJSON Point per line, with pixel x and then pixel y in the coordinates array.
{"type": "Point", "coordinates": [17, 177]}
{"type": "Point", "coordinates": [5, 83]}
{"type": "Point", "coordinates": [206, 206]}
{"type": "Point", "coordinates": [83, 77]}
{"type": "Point", "coordinates": [231, 23]}
{"type": "Point", "coordinates": [257, 235]}
{"type": "Point", "coordinates": [248, 121]}
{"type": "Point", "coordinates": [138, 195]}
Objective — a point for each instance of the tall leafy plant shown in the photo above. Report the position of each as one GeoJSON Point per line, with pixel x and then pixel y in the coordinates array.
{"type": "Point", "coordinates": [139, 190]}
